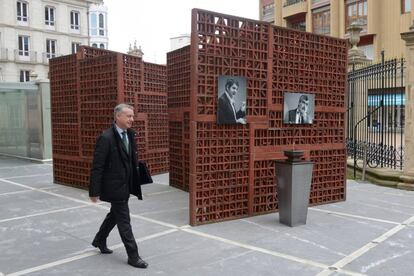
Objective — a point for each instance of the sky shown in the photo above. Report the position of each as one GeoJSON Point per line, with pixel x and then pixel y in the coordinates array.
{"type": "Point", "coordinates": [153, 22]}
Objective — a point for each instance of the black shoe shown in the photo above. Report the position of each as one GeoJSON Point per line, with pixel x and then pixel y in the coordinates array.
{"type": "Point", "coordinates": [140, 263]}
{"type": "Point", "coordinates": [102, 246]}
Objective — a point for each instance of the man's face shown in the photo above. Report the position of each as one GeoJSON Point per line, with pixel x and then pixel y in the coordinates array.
{"type": "Point", "coordinates": [125, 118]}
{"type": "Point", "coordinates": [233, 90]}
{"type": "Point", "coordinates": [303, 106]}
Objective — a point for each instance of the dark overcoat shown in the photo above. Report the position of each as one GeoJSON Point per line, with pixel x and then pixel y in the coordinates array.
{"type": "Point", "coordinates": [114, 174]}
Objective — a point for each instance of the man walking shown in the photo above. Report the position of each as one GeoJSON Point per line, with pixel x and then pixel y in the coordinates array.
{"type": "Point", "coordinates": [114, 177]}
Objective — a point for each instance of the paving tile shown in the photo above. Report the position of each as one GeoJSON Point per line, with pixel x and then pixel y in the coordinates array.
{"type": "Point", "coordinates": [375, 202]}
{"type": "Point", "coordinates": [394, 256]}
{"type": "Point", "coordinates": [185, 254]}
{"type": "Point", "coordinates": [325, 238]}
{"type": "Point", "coordinates": [40, 181]}
{"type": "Point", "coordinates": [23, 170]}
{"type": "Point", "coordinates": [31, 202]}
{"type": "Point", "coordinates": [10, 188]}
{"type": "Point", "coordinates": [34, 241]}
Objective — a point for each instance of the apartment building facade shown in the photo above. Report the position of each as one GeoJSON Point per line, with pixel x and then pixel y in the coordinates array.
{"type": "Point", "coordinates": [98, 26]}
{"type": "Point", "coordinates": [382, 20]}
{"type": "Point", "coordinates": [33, 31]}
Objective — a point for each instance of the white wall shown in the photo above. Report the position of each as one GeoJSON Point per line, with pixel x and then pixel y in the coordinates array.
{"type": "Point", "coordinates": [179, 41]}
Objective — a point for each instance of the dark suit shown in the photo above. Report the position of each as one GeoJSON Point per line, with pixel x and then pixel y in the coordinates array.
{"type": "Point", "coordinates": [225, 113]}
{"type": "Point", "coordinates": [114, 177]}
{"type": "Point", "coordinates": [292, 118]}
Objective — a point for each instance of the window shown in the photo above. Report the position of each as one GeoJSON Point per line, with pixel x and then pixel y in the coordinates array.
{"type": "Point", "coordinates": [22, 11]}
{"type": "Point", "coordinates": [268, 12]}
{"type": "Point", "coordinates": [50, 16]}
{"type": "Point", "coordinates": [102, 46]}
{"type": "Point", "coordinates": [23, 45]}
{"type": "Point", "coordinates": [94, 24]}
{"type": "Point", "coordinates": [321, 20]}
{"type": "Point", "coordinates": [101, 25]}
{"type": "Point", "coordinates": [356, 10]}
{"type": "Point", "coordinates": [368, 50]}
{"type": "Point", "coordinates": [74, 20]}
{"type": "Point", "coordinates": [315, 2]}
{"type": "Point", "coordinates": [405, 6]}
{"type": "Point", "coordinates": [24, 75]}
{"type": "Point", "coordinates": [95, 45]}
{"type": "Point", "coordinates": [50, 48]}
{"type": "Point", "coordinates": [297, 25]}
{"type": "Point", "coordinates": [75, 47]}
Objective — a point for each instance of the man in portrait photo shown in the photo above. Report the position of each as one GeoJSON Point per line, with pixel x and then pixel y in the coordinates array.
{"type": "Point", "coordinates": [231, 107]}
{"type": "Point", "coordinates": [302, 113]}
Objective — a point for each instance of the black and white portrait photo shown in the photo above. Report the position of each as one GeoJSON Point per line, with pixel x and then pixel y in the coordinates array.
{"type": "Point", "coordinates": [231, 107]}
{"type": "Point", "coordinates": [298, 108]}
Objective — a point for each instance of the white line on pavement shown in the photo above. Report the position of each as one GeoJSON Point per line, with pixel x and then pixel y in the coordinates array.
{"type": "Point", "coordinates": [90, 203]}
{"type": "Point", "coordinates": [29, 175]}
{"type": "Point", "coordinates": [354, 216]}
{"type": "Point", "coordinates": [364, 249]}
{"type": "Point", "coordinates": [16, 192]}
{"type": "Point", "coordinates": [21, 166]}
{"type": "Point", "coordinates": [162, 192]}
{"type": "Point", "coordinates": [49, 193]}
{"type": "Point", "coordinates": [44, 213]}
{"type": "Point", "coordinates": [266, 251]}
{"type": "Point", "coordinates": [84, 255]}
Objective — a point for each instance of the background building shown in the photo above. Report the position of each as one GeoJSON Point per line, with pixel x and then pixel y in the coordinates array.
{"type": "Point", "coordinates": [33, 31]}
{"type": "Point", "coordinates": [98, 26]}
{"type": "Point", "coordinates": [179, 41]}
{"type": "Point", "coordinates": [382, 20]}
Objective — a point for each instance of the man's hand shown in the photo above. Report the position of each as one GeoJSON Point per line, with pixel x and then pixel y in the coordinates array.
{"type": "Point", "coordinates": [94, 199]}
{"type": "Point", "coordinates": [241, 121]}
{"type": "Point", "coordinates": [243, 107]}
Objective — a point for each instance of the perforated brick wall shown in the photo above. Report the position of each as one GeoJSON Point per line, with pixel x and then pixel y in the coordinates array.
{"type": "Point", "coordinates": [85, 87]}
{"type": "Point", "coordinates": [229, 169]}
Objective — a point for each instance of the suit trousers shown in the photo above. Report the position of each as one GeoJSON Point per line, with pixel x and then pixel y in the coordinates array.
{"type": "Point", "coordinates": [119, 216]}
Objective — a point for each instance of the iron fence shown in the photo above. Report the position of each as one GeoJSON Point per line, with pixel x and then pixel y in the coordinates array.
{"type": "Point", "coordinates": [376, 114]}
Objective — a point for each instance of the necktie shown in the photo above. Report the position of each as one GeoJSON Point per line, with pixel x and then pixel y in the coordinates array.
{"type": "Point", "coordinates": [125, 141]}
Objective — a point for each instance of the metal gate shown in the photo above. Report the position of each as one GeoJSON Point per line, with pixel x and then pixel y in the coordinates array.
{"type": "Point", "coordinates": [376, 114]}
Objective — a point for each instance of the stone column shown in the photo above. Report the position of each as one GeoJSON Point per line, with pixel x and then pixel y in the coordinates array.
{"type": "Point", "coordinates": [407, 177]}
{"type": "Point", "coordinates": [46, 130]}
{"type": "Point", "coordinates": [278, 14]}
{"type": "Point", "coordinates": [334, 22]}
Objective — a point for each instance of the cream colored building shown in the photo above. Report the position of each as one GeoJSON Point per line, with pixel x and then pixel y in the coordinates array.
{"type": "Point", "coordinates": [33, 31]}
{"type": "Point", "coordinates": [382, 20]}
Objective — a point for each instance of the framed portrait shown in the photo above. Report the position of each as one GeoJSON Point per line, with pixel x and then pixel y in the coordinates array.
{"type": "Point", "coordinates": [298, 108]}
{"type": "Point", "coordinates": [231, 104]}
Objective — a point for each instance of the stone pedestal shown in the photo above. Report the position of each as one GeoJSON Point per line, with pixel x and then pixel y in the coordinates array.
{"type": "Point", "coordinates": [294, 178]}
{"type": "Point", "coordinates": [407, 179]}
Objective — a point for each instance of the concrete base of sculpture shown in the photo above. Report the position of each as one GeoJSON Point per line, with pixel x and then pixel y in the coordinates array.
{"type": "Point", "coordinates": [294, 178]}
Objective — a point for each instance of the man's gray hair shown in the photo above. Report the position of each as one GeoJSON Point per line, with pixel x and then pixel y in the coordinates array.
{"type": "Point", "coordinates": [120, 107]}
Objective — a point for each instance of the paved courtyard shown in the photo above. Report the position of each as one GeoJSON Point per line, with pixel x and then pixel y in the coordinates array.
{"type": "Point", "coordinates": [46, 229]}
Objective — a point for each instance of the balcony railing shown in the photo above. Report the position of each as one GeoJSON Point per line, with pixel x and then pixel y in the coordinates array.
{"type": "Point", "coordinates": [25, 56]}
{"type": "Point", "coordinates": [292, 2]}
{"type": "Point", "coordinates": [46, 56]}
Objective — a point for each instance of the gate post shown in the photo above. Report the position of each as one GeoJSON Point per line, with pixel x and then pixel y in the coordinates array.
{"type": "Point", "coordinates": [407, 177]}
